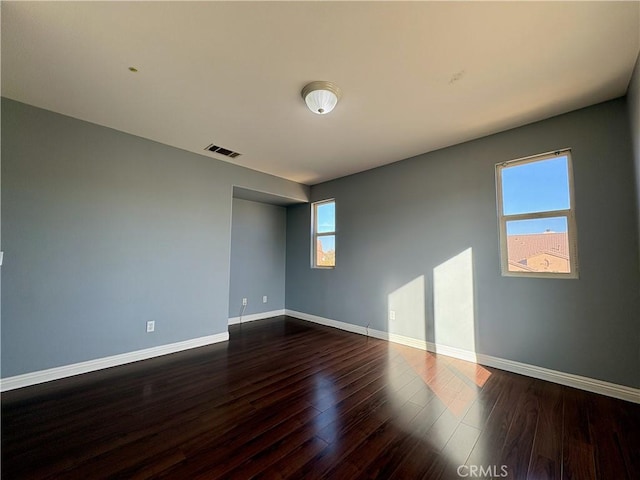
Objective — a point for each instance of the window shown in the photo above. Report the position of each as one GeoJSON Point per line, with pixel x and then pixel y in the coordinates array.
{"type": "Point", "coordinates": [323, 241]}
{"type": "Point", "coordinates": [537, 217]}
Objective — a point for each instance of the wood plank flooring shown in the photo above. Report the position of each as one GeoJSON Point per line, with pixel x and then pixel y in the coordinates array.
{"type": "Point", "coordinates": [286, 398]}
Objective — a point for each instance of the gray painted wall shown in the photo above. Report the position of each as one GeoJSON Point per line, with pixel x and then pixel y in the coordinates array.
{"type": "Point", "coordinates": [422, 235]}
{"type": "Point", "coordinates": [633, 100]}
{"type": "Point", "coordinates": [258, 247]}
{"type": "Point", "coordinates": [103, 231]}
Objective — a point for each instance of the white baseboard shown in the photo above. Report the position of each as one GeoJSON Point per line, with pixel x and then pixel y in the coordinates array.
{"type": "Point", "coordinates": [256, 316]}
{"type": "Point", "coordinates": [41, 376]}
{"type": "Point", "coordinates": [570, 380]}
{"type": "Point", "coordinates": [584, 383]}
{"type": "Point", "coordinates": [454, 352]}
{"type": "Point", "coordinates": [330, 323]}
{"type": "Point", "coordinates": [622, 392]}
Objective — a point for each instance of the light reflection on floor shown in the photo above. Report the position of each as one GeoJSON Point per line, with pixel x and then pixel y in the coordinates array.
{"type": "Point", "coordinates": [444, 388]}
{"type": "Point", "coordinates": [324, 399]}
{"type": "Point", "coordinates": [426, 395]}
{"type": "Point", "coordinates": [454, 382]}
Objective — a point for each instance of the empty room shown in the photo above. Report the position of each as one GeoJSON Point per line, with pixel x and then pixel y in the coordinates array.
{"type": "Point", "coordinates": [329, 240]}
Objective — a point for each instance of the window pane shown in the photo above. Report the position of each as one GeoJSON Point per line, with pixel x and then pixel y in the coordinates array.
{"type": "Point", "coordinates": [326, 251]}
{"type": "Point", "coordinates": [326, 217]}
{"type": "Point", "coordinates": [538, 245]}
{"type": "Point", "coordinates": [541, 186]}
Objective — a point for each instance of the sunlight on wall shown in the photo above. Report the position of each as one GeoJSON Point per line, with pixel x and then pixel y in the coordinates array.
{"type": "Point", "coordinates": [453, 303]}
{"type": "Point", "coordinates": [406, 310]}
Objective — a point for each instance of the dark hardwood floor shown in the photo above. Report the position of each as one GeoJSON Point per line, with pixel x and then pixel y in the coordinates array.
{"type": "Point", "coordinates": [289, 399]}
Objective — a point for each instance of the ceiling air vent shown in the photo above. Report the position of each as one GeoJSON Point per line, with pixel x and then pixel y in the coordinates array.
{"type": "Point", "coordinates": [222, 151]}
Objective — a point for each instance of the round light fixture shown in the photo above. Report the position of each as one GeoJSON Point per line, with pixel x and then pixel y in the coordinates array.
{"type": "Point", "coordinates": [321, 97]}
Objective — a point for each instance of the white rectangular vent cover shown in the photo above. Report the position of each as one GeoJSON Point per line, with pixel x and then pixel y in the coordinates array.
{"type": "Point", "coordinates": [222, 151]}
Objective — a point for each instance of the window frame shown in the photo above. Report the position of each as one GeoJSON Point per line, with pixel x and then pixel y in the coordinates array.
{"type": "Point", "coordinates": [569, 214]}
{"type": "Point", "coordinates": [315, 235]}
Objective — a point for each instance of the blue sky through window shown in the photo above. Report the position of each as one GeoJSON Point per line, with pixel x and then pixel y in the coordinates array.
{"type": "Point", "coordinates": [326, 213]}
{"type": "Point", "coordinates": [328, 243]}
{"type": "Point", "coordinates": [326, 222]}
{"type": "Point", "coordinates": [538, 225]}
{"type": "Point", "coordinates": [536, 187]}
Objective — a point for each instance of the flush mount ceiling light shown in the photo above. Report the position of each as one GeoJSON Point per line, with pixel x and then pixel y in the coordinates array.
{"type": "Point", "coordinates": [321, 97]}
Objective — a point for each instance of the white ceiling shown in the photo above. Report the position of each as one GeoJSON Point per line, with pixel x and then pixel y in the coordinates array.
{"type": "Point", "coordinates": [415, 76]}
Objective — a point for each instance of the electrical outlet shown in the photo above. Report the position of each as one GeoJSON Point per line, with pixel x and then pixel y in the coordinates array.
{"type": "Point", "coordinates": [244, 302]}
{"type": "Point", "coordinates": [151, 326]}
{"type": "Point", "coordinates": [264, 299]}
{"type": "Point", "coordinates": [392, 314]}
